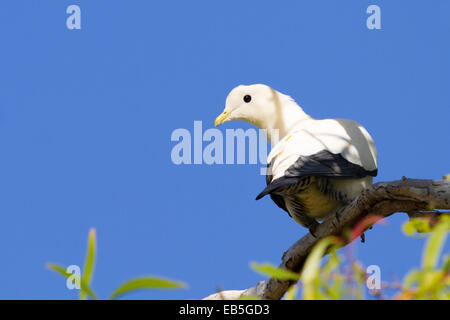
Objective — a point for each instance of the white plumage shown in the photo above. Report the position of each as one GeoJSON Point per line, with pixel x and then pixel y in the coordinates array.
{"type": "Point", "coordinates": [339, 136]}
{"type": "Point", "coordinates": [317, 166]}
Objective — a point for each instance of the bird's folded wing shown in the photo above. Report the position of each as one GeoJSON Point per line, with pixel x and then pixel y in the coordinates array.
{"type": "Point", "coordinates": [326, 164]}
{"type": "Point", "coordinates": [328, 148]}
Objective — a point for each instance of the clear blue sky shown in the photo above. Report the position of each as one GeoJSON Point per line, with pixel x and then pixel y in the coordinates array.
{"type": "Point", "coordinates": [86, 118]}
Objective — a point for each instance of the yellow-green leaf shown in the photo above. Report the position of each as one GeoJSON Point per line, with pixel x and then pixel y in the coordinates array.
{"type": "Point", "coordinates": [434, 245]}
{"type": "Point", "coordinates": [359, 279]}
{"type": "Point", "coordinates": [248, 298]}
{"type": "Point", "coordinates": [291, 294]}
{"type": "Point", "coordinates": [419, 225]}
{"type": "Point", "coordinates": [332, 263]}
{"type": "Point", "coordinates": [446, 267]}
{"type": "Point", "coordinates": [274, 272]}
{"type": "Point", "coordinates": [336, 290]}
{"type": "Point", "coordinates": [89, 262]}
{"type": "Point", "coordinates": [146, 283]}
{"type": "Point", "coordinates": [311, 269]}
{"type": "Point", "coordinates": [411, 278]}
{"type": "Point", "coordinates": [83, 285]}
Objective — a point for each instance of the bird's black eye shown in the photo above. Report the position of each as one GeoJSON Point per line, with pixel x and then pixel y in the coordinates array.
{"type": "Point", "coordinates": [247, 98]}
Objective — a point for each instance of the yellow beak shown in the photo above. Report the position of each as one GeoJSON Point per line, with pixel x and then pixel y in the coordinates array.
{"type": "Point", "coordinates": [223, 117]}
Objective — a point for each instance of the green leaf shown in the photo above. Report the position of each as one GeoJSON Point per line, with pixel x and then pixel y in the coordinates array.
{"type": "Point", "coordinates": [446, 267]}
{"type": "Point", "coordinates": [89, 262]}
{"type": "Point", "coordinates": [311, 269]}
{"type": "Point", "coordinates": [411, 278]}
{"type": "Point", "coordinates": [58, 269]}
{"type": "Point", "coordinates": [336, 290]}
{"type": "Point", "coordinates": [145, 283]}
{"type": "Point", "coordinates": [408, 228]}
{"type": "Point", "coordinates": [327, 271]}
{"type": "Point", "coordinates": [332, 263]}
{"type": "Point", "coordinates": [434, 245]}
{"type": "Point", "coordinates": [416, 225]}
{"type": "Point", "coordinates": [83, 285]}
{"type": "Point", "coordinates": [291, 294]}
{"type": "Point", "coordinates": [359, 279]}
{"type": "Point", "coordinates": [248, 298]}
{"type": "Point", "coordinates": [270, 270]}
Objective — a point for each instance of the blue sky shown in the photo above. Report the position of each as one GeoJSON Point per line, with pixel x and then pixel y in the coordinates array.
{"type": "Point", "coordinates": [86, 118]}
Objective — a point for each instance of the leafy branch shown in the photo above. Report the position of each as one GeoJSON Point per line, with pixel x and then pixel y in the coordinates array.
{"type": "Point", "coordinates": [429, 199]}
{"type": "Point", "coordinates": [140, 283]}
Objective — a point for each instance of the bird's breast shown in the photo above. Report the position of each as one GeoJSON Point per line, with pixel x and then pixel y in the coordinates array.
{"type": "Point", "coordinates": [317, 204]}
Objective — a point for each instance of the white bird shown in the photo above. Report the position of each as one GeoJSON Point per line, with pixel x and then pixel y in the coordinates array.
{"type": "Point", "coordinates": [318, 166]}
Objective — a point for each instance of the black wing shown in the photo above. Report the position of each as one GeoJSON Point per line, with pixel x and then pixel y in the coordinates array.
{"type": "Point", "coordinates": [279, 201]}
{"type": "Point", "coordinates": [321, 164]}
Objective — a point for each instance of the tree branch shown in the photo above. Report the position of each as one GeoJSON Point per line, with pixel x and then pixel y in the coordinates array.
{"type": "Point", "coordinates": [412, 196]}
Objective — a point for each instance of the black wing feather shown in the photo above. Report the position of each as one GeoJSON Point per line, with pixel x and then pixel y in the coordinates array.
{"type": "Point", "coordinates": [279, 201]}
{"type": "Point", "coordinates": [321, 164]}
{"type": "Point", "coordinates": [327, 164]}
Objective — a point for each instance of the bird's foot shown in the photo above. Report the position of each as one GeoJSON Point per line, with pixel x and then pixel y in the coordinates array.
{"type": "Point", "coordinates": [338, 212]}
{"type": "Point", "coordinates": [363, 237]}
{"type": "Point", "coordinates": [312, 229]}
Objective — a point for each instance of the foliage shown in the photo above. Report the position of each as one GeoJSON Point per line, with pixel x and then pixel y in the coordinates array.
{"type": "Point", "coordinates": [344, 278]}
{"type": "Point", "coordinates": [430, 282]}
{"type": "Point", "coordinates": [270, 270]}
{"type": "Point", "coordinates": [336, 277]}
{"type": "Point", "coordinates": [140, 283]}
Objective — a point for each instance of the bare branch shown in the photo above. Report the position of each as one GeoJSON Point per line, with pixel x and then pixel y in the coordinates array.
{"type": "Point", "coordinates": [412, 196]}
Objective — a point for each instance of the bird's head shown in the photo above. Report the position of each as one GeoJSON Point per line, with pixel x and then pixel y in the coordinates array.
{"type": "Point", "coordinates": [256, 104]}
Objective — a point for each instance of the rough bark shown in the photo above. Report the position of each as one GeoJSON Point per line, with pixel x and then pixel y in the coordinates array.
{"type": "Point", "coordinates": [412, 196]}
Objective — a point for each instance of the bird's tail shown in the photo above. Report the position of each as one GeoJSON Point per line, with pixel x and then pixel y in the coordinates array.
{"type": "Point", "coordinates": [277, 185]}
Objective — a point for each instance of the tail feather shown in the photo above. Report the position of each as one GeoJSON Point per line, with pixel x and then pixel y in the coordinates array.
{"type": "Point", "coordinates": [277, 185]}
